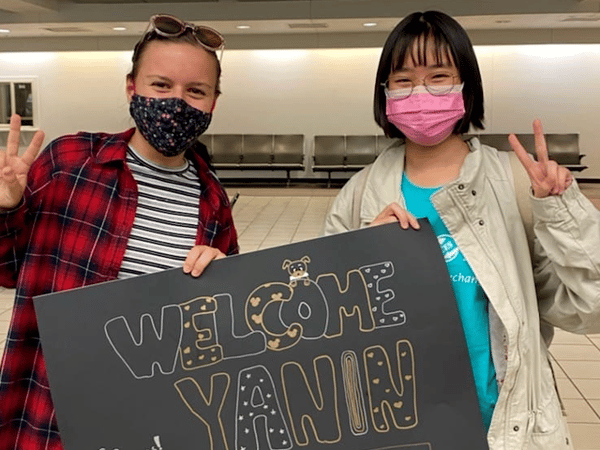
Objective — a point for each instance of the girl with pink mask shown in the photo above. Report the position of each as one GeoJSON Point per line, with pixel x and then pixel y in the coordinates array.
{"type": "Point", "coordinates": [428, 93]}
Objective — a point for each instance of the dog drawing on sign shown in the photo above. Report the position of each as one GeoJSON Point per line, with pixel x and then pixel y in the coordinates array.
{"type": "Point", "coordinates": [288, 312]}
{"type": "Point", "coordinates": [298, 270]}
{"type": "Point", "coordinates": [307, 306]}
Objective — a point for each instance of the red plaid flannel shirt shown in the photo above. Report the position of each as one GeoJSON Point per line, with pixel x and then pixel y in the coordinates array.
{"type": "Point", "coordinates": [71, 230]}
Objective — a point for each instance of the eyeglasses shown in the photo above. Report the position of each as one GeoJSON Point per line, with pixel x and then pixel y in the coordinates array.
{"type": "Point", "coordinates": [436, 83]}
{"type": "Point", "coordinates": [170, 26]}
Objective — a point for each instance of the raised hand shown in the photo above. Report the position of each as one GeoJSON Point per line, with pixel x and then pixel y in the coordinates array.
{"type": "Point", "coordinates": [547, 177]}
{"type": "Point", "coordinates": [14, 168]}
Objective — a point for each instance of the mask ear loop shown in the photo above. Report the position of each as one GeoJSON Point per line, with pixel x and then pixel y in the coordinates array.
{"type": "Point", "coordinates": [132, 89]}
{"type": "Point", "coordinates": [214, 103]}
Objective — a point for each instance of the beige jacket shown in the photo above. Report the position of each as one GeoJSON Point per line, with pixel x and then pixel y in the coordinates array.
{"type": "Point", "coordinates": [562, 289]}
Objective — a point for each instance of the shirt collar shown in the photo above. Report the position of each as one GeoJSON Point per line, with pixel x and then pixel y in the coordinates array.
{"type": "Point", "coordinates": [115, 149]}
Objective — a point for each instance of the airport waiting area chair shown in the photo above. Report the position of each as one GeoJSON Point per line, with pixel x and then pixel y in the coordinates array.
{"type": "Point", "coordinates": [256, 151]}
{"type": "Point", "coordinates": [346, 153]}
{"type": "Point", "coordinates": [562, 148]}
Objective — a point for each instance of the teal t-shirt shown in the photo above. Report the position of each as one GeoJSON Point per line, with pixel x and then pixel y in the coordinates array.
{"type": "Point", "coordinates": [471, 300]}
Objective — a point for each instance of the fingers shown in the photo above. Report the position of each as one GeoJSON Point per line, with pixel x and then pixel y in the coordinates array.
{"type": "Point", "coordinates": [564, 180]}
{"type": "Point", "coordinates": [550, 182]}
{"type": "Point", "coordinates": [547, 177]}
{"type": "Point", "coordinates": [14, 168]}
{"type": "Point", "coordinates": [540, 142]}
{"type": "Point", "coordinates": [541, 150]}
{"type": "Point", "coordinates": [395, 213]}
{"type": "Point", "coordinates": [521, 153]}
{"type": "Point", "coordinates": [8, 174]}
{"type": "Point", "coordinates": [199, 257]}
{"type": "Point", "coordinates": [412, 221]}
{"type": "Point", "coordinates": [34, 148]}
{"type": "Point", "coordinates": [14, 135]}
{"type": "Point", "coordinates": [543, 173]}
{"type": "Point", "coordinates": [555, 180]}
{"type": "Point", "coordinates": [569, 181]}
{"type": "Point", "coordinates": [11, 190]}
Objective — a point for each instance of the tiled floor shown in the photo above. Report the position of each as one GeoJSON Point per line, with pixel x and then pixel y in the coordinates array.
{"type": "Point", "coordinates": [269, 217]}
{"type": "Point", "coordinates": [266, 218]}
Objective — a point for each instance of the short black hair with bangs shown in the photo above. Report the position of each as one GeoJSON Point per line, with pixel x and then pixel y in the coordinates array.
{"type": "Point", "coordinates": [449, 39]}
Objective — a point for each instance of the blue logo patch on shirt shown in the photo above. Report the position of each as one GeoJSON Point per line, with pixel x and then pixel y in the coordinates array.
{"type": "Point", "coordinates": [448, 246]}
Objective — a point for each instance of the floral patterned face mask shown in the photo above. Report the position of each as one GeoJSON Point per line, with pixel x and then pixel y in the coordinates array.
{"type": "Point", "coordinates": [170, 125]}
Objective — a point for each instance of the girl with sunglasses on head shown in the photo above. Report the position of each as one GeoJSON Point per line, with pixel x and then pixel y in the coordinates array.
{"type": "Point", "coordinates": [97, 207]}
{"type": "Point", "coordinates": [428, 93]}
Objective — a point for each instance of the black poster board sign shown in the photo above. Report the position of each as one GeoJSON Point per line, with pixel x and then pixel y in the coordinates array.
{"type": "Point", "coordinates": [349, 342]}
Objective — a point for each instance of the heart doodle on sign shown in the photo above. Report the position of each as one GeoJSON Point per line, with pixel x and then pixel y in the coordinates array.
{"type": "Point", "coordinates": [256, 318]}
{"type": "Point", "coordinates": [275, 343]}
{"type": "Point", "coordinates": [292, 333]}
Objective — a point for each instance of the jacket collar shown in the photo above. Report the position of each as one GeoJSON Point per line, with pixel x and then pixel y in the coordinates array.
{"type": "Point", "coordinates": [470, 172]}
{"type": "Point", "coordinates": [465, 189]}
{"type": "Point", "coordinates": [114, 147]}
{"type": "Point", "coordinates": [384, 187]}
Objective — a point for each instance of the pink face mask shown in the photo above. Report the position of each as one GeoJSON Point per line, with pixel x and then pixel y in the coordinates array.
{"type": "Point", "coordinates": [424, 118]}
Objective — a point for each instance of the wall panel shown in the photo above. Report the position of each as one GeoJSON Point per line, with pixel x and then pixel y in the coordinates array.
{"type": "Point", "coordinates": [325, 91]}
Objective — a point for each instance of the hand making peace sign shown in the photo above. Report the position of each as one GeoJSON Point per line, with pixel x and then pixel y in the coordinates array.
{"type": "Point", "coordinates": [14, 168]}
{"type": "Point", "coordinates": [547, 177]}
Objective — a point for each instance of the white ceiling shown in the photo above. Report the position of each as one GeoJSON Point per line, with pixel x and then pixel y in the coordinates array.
{"type": "Point", "coordinates": [44, 18]}
{"type": "Point", "coordinates": [273, 26]}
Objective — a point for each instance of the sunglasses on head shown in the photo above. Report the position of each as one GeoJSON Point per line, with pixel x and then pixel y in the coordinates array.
{"type": "Point", "coordinates": [170, 26]}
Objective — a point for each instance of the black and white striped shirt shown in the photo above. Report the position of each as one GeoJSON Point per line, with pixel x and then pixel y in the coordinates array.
{"type": "Point", "coordinates": [166, 220]}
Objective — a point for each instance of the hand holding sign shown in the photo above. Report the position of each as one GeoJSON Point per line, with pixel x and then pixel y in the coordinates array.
{"type": "Point", "coordinates": [199, 257]}
{"type": "Point", "coordinates": [14, 168]}
{"type": "Point", "coordinates": [396, 213]}
{"type": "Point", "coordinates": [547, 177]}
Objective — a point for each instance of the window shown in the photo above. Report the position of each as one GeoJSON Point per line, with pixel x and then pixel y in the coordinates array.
{"type": "Point", "coordinates": [16, 96]}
